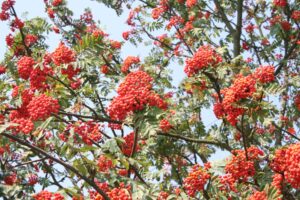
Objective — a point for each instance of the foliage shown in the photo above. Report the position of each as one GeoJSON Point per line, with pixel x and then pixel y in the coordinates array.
{"type": "Point", "coordinates": [94, 125]}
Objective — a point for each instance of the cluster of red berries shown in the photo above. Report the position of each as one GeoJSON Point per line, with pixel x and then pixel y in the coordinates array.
{"type": "Point", "coordinates": [25, 67]}
{"type": "Point", "coordinates": [126, 34]}
{"type": "Point", "coordinates": [264, 74]}
{"type": "Point", "coordinates": [296, 15]}
{"type": "Point", "coordinates": [6, 5]}
{"type": "Point", "coordinates": [46, 195]}
{"type": "Point", "coordinates": [56, 2]}
{"type": "Point", "coordinates": [196, 180]}
{"type": "Point", "coordinates": [70, 71]}
{"type": "Point", "coordinates": [37, 76]}
{"type": "Point", "coordinates": [280, 3]}
{"type": "Point", "coordinates": [123, 172]}
{"type": "Point", "coordinates": [24, 125]}
{"type": "Point", "coordinates": [132, 15]}
{"type": "Point", "coordinates": [63, 55]}
{"type": "Point", "coordinates": [191, 3]}
{"type": "Point", "coordinates": [127, 146]}
{"type": "Point", "coordinates": [104, 163]}
{"type": "Point", "coordinates": [228, 183]}
{"type": "Point", "coordinates": [115, 44]}
{"type": "Point", "coordinates": [32, 179]}
{"type": "Point", "coordinates": [285, 25]}
{"type": "Point", "coordinates": [119, 193]}
{"type": "Point", "coordinates": [9, 39]}
{"type": "Point", "coordinates": [2, 69]}
{"type": "Point", "coordinates": [242, 87]}
{"type": "Point", "coordinates": [88, 131]}
{"type": "Point", "coordinates": [205, 56]}
{"type": "Point", "coordinates": [104, 69]}
{"type": "Point", "coordinates": [297, 101]}
{"type": "Point", "coordinates": [165, 125]}
{"type": "Point", "coordinates": [277, 182]}
{"type": "Point", "coordinates": [286, 162]}
{"type": "Point", "coordinates": [158, 11]}
{"type": "Point", "coordinates": [10, 179]}
{"type": "Point", "coordinates": [4, 149]}
{"type": "Point", "coordinates": [163, 196]}
{"type": "Point", "coordinates": [95, 195]}
{"type": "Point", "coordinates": [128, 62]}
{"type": "Point", "coordinates": [174, 21]}
{"type": "Point", "coordinates": [42, 106]}
{"type": "Point", "coordinates": [26, 95]}
{"type": "Point", "coordinates": [30, 39]}
{"type": "Point", "coordinates": [259, 196]}
{"type": "Point", "coordinates": [134, 93]}
{"type": "Point", "coordinates": [250, 28]}
{"type": "Point", "coordinates": [21, 115]}
{"type": "Point", "coordinates": [241, 166]}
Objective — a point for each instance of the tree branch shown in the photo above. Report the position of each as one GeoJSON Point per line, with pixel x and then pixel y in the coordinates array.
{"type": "Point", "coordinates": [66, 165]}
{"type": "Point", "coordinates": [200, 141]}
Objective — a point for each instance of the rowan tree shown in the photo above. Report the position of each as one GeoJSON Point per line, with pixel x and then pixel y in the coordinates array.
{"type": "Point", "coordinates": [83, 122]}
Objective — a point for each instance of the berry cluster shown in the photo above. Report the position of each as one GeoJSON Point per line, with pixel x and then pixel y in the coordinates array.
{"type": "Point", "coordinates": [25, 67]}
{"type": "Point", "coordinates": [10, 179]}
{"type": "Point", "coordinates": [228, 183]}
{"type": "Point", "coordinates": [277, 182]}
{"type": "Point", "coordinates": [191, 3]}
{"type": "Point", "coordinates": [115, 44]}
{"type": "Point", "coordinates": [165, 125]}
{"type": "Point", "coordinates": [158, 11]}
{"type": "Point", "coordinates": [296, 15]}
{"type": "Point", "coordinates": [259, 196]}
{"type": "Point", "coordinates": [264, 74]}
{"type": "Point", "coordinates": [6, 5]}
{"type": "Point", "coordinates": [286, 162]}
{"type": "Point", "coordinates": [89, 132]}
{"type": "Point", "coordinates": [95, 195]}
{"type": "Point", "coordinates": [242, 87]}
{"type": "Point", "coordinates": [127, 146]}
{"type": "Point", "coordinates": [128, 62]}
{"type": "Point", "coordinates": [46, 195]}
{"type": "Point", "coordinates": [126, 34]}
{"type": "Point", "coordinates": [70, 71]}
{"type": "Point", "coordinates": [241, 166]}
{"type": "Point", "coordinates": [163, 196]}
{"type": "Point", "coordinates": [133, 95]}
{"type": "Point", "coordinates": [56, 2]}
{"type": "Point", "coordinates": [36, 75]}
{"type": "Point", "coordinates": [21, 115]}
{"type": "Point", "coordinates": [297, 101]}
{"type": "Point", "coordinates": [2, 69]}
{"type": "Point", "coordinates": [280, 3]}
{"type": "Point", "coordinates": [24, 125]}
{"type": "Point", "coordinates": [30, 39]}
{"type": "Point", "coordinates": [206, 56]}
{"type": "Point", "coordinates": [104, 69]}
{"type": "Point", "coordinates": [196, 180]}
{"type": "Point", "coordinates": [42, 106]}
{"type": "Point", "coordinates": [118, 193]}
{"type": "Point", "coordinates": [174, 21]}
{"type": "Point", "coordinates": [63, 55]}
{"type": "Point", "coordinates": [26, 97]}
{"type": "Point", "coordinates": [104, 164]}
{"type": "Point", "coordinates": [32, 179]}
